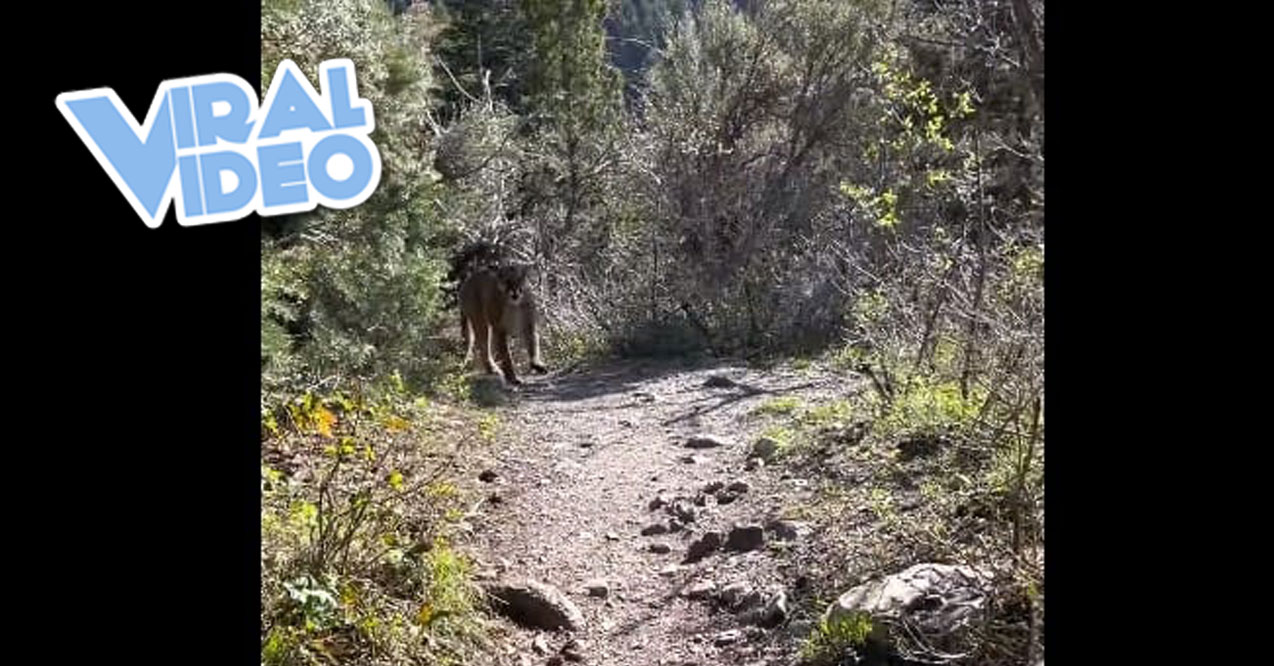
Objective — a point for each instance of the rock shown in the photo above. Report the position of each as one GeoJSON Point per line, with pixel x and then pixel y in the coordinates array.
{"type": "Point", "coordinates": [713, 487]}
{"type": "Point", "coordinates": [690, 459]}
{"type": "Point", "coordinates": [785, 530]}
{"type": "Point", "coordinates": [938, 601]}
{"type": "Point", "coordinates": [745, 538]}
{"type": "Point", "coordinates": [726, 498]}
{"type": "Point", "coordinates": [487, 476]}
{"type": "Point", "coordinates": [573, 650]}
{"type": "Point", "coordinates": [738, 487]}
{"type": "Point", "coordinates": [674, 525]}
{"type": "Point", "coordinates": [752, 599]}
{"type": "Point", "coordinates": [684, 511]}
{"type": "Point", "coordinates": [536, 605]}
{"type": "Point", "coordinates": [661, 500]}
{"type": "Point", "coordinates": [540, 645]}
{"type": "Point", "coordinates": [772, 613]}
{"type": "Point", "coordinates": [766, 448]}
{"type": "Point", "coordinates": [670, 571]}
{"type": "Point", "coordinates": [654, 529]}
{"type": "Point", "coordinates": [555, 660]}
{"type": "Point", "coordinates": [599, 587]}
{"type": "Point", "coordinates": [732, 594]}
{"type": "Point", "coordinates": [700, 590]}
{"type": "Point", "coordinates": [727, 637]}
{"type": "Point", "coordinates": [660, 548]}
{"type": "Point", "coordinates": [701, 500]}
{"type": "Point", "coordinates": [718, 381]}
{"type": "Point", "coordinates": [753, 463]}
{"type": "Point", "coordinates": [706, 442]}
{"type": "Point", "coordinates": [611, 536]}
{"type": "Point", "coordinates": [702, 547]}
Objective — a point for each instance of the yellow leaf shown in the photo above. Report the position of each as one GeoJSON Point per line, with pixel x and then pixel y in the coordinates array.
{"type": "Point", "coordinates": [323, 421]}
{"type": "Point", "coordinates": [426, 614]}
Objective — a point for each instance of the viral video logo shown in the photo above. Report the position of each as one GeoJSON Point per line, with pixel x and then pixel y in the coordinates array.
{"type": "Point", "coordinates": [206, 144]}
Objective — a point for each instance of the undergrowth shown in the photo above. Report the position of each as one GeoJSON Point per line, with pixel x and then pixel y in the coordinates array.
{"type": "Point", "coordinates": [916, 467]}
{"type": "Point", "coordinates": [358, 514]}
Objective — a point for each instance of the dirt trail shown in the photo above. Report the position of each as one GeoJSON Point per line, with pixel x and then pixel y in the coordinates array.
{"type": "Point", "coordinates": [580, 460]}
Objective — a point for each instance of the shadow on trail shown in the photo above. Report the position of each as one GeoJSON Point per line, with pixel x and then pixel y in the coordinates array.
{"type": "Point", "coordinates": [738, 393]}
{"type": "Point", "coordinates": [617, 377]}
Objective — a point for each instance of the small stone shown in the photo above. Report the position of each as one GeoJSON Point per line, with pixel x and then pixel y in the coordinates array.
{"type": "Point", "coordinates": [745, 538]}
{"type": "Point", "coordinates": [753, 464]}
{"type": "Point", "coordinates": [766, 448]}
{"type": "Point", "coordinates": [700, 590]}
{"type": "Point", "coordinates": [495, 499]}
{"type": "Point", "coordinates": [785, 530]}
{"type": "Point", "coordinates": [738, 487]}
{"type": "Point", "coordinates": [701, 500]}
{"type": "Point", "coordinates": [587, 444]}
{"type": "Point", "coordinates": [726, 498]}
{"type": "Point", "coordinates": [573, 650]}
{"type": "Point", "coordinates": [713, 487]}
{"type": "Point", "coordinates": [626, 423]}
{"type": "Point", "coordinates": [718, 381]}
{"type": "Point", "coordinates": [705, 545]}
{"type": "Point", "coordinates": [727, 637]}
{"type": "Point", "coordinates": [684, 512]}
{"type": "Point", "coordinates": [690, 459]}
{"type": "Point", "coordinates": [674, 525]}
{"type": "Point", "coordinates": [598, 588]}
{"type": "Point", "coordinates": [659, 502]}
{"type": "Point", "coordinates": [654, 529]}
{"type": "Point", "coordinates": [660, 548]}
{"type": "Point", "coordinates": [611, 536]}
{"type": "Point", "coordinates": [732, 594]}
{"type": "Point", "coordinates": [706, 442]}
{"type": "Point", "coordinates": [487, 476]}
{"type": "Point", "coordinates": [669, 571]}
{"type": "Point", "coordinates": [772, 613]}
{"type": "Point", "coordinates": [540, 645]}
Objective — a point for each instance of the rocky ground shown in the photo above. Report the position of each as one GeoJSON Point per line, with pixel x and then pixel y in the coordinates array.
{"type": "Point", "coordinates": [626, 520]}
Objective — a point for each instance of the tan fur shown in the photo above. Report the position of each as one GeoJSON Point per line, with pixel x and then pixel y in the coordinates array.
{"type": "Point", "coordinates": [494, 304]}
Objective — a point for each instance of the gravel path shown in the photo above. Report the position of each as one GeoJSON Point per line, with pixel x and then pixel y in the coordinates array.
{"type": "Point", "coordinates": [580, 460]}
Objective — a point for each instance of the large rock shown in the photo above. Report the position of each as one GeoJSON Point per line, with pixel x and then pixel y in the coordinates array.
{"type": "Point", "coordinates": [937, 602]}
{"type": "Point", "coordinates": [537, 605]}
